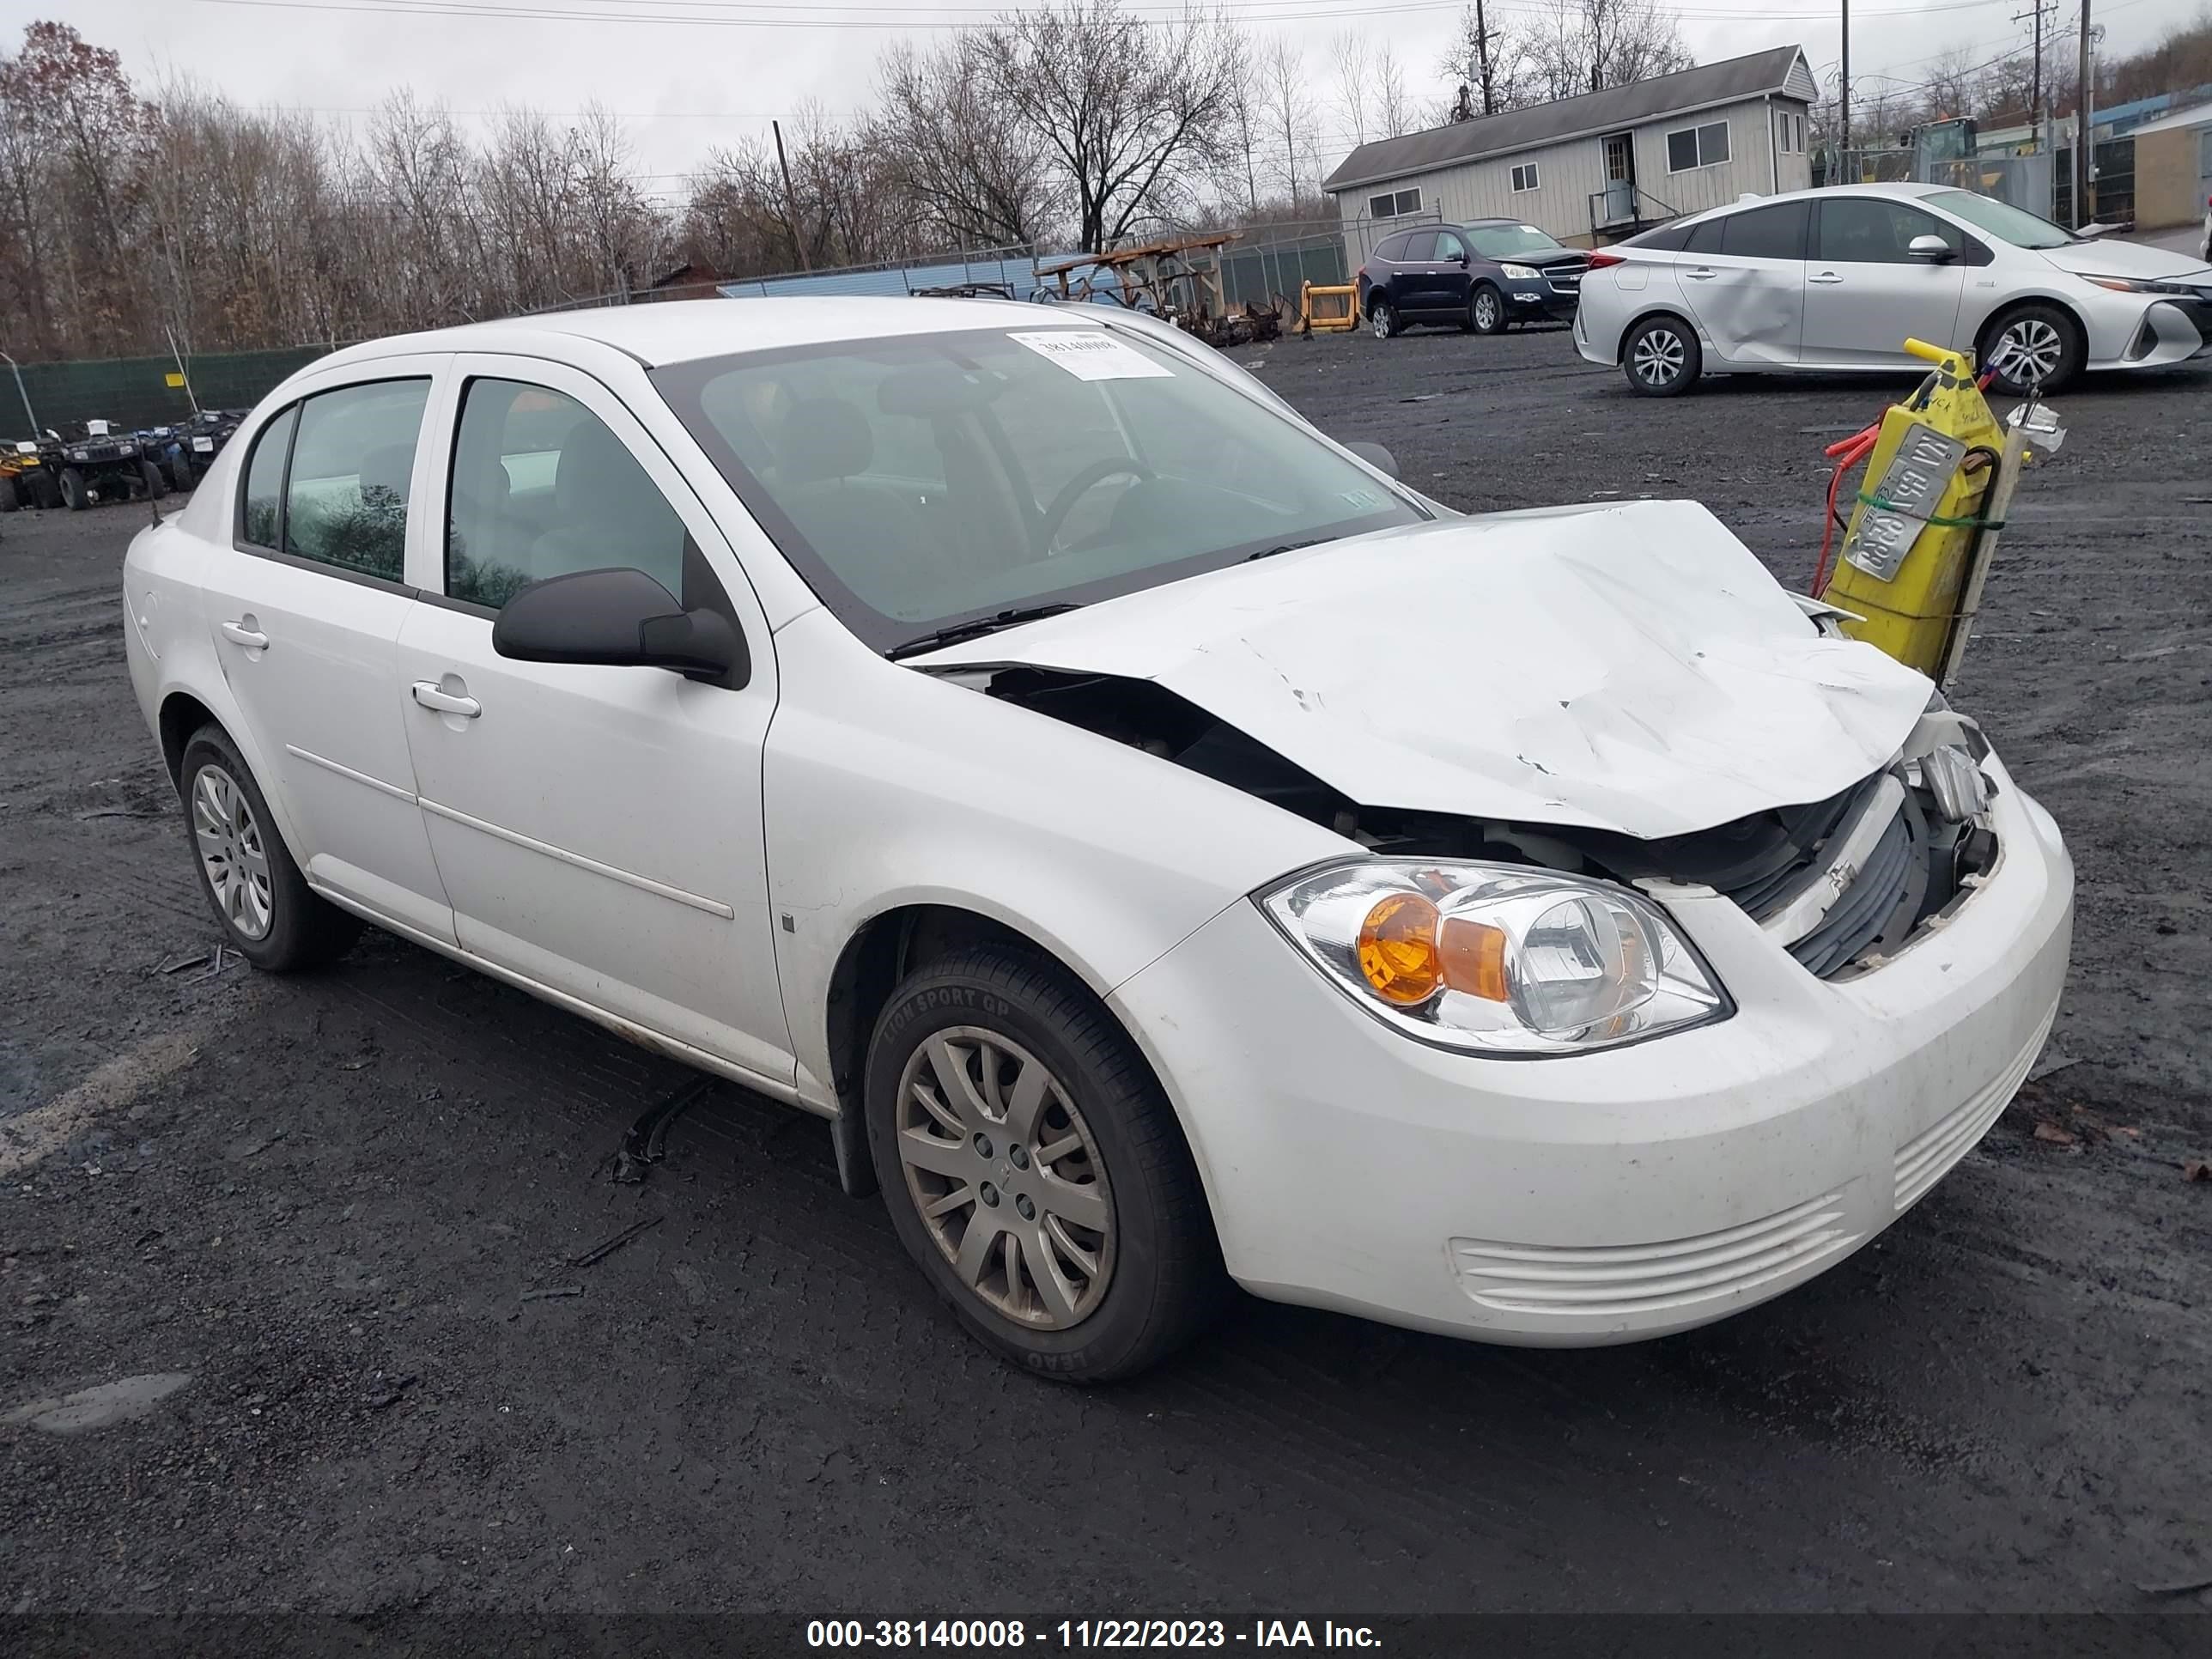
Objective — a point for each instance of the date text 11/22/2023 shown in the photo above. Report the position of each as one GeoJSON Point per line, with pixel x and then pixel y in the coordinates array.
{"type": "Point", "coordinates": [983, 1634]}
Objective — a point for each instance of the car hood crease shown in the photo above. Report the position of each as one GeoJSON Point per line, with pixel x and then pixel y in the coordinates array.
{"type": "Point", "coordinates": [1629, 666]}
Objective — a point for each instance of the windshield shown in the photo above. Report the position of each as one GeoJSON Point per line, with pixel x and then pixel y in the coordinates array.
{"type": "Point", "coordinates": [1512, 242]}
{"type": "Point", "coordinates": [2015, 225]}
{"type": "Point", "coordinates": [918, 483]}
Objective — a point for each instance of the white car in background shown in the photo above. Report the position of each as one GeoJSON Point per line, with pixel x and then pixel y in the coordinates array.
{"type": "Point", "coordinates": [1158, 841]}
{"type": "Point", "coordinates": [1838, 279]}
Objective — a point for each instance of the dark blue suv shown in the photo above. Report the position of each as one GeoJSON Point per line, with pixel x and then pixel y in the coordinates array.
{"type": "Point", "coordinates": [1484, 275]}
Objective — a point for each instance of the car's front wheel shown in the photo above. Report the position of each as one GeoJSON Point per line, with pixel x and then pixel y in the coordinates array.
{"type": "Point", "coordinates": [1034, 1169]}
{"type": "Point", "coordinates": [1660, 357]}
{"type": "Point", "coordinates": [1381, 316]}
{"type": "Point", "coordinates": [2034, 347]}
{"type": "Point", "coordinates": [1486, 310]}
{"type": "Point", "coordinates": [269, 914]}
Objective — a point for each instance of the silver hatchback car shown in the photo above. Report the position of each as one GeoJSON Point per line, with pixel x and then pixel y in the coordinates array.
{"type": "Point", "coordinates": [1837, 279]}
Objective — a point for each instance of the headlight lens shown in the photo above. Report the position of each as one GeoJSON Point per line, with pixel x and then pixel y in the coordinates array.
{"type": "Point", "coordinates": [1521, 273]}
{"type": "Point", "coordinates": [79, 454]}
{"type": "Point", "coordinates": [1497, 958]}
{"type": "Point", "coordinates": [2146, 285]}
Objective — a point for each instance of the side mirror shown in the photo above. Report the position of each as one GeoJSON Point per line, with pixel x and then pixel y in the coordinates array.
{"type": "Point", "coordinates": [1375, 456]}
{"type": "Point", "coordinates": [615, 618]}
{"type": "Point", "coordinates": [1460, 260]}
{"type": "Point", "coordinates": [1934, 249]}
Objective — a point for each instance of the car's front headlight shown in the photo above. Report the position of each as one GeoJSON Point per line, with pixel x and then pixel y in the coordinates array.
{"type": "Point", "coordinates": [1497, 958]}
{"type": "Point", "coordinates": [1521, 273]}
{"type": "Point", "coordinates": [2147, 285]}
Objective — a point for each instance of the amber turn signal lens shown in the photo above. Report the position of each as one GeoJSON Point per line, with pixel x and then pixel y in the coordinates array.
{"type": "Point", "coordinates": [1398, 949]}
{"type": "Point", "coordinates": [1472, 958]}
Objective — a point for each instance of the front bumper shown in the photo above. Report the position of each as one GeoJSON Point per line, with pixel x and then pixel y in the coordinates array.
{"type": "Point", "coordinates": [1534, 301]}
{"type": "Point", "coordinates": [1616, 1195]}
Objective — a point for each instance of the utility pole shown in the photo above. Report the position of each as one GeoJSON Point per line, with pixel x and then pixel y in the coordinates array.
{"type": "Point", "coordinates": [2035, 79]}
{"type": "Point", "coordinates": [1485, 73]}
{"type": "Point", "coordinates": [1843, 97]}
{"type": "Point", "coordinates": [791, 201]}
{"type": "Point", "coordinates": [2084, 122]}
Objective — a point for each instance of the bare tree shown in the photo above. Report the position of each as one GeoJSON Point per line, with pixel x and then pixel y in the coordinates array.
{"type": "Point", "coordinates": [1394, 109]}
{"type": "Point", "coordinates": [1286, 99]}
{"type": "Point", "coordinates": [1586, 45]}
{"type": "Point", "coordinates": [1129, 112]}
{"type": "Point", "coordinates": [982, 176]}
{"type": "Point", "coordinates": [1348, 54]}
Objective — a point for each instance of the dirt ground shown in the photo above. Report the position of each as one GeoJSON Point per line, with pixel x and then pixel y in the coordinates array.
{"type": "Point", "coordinates": [346, 1208]}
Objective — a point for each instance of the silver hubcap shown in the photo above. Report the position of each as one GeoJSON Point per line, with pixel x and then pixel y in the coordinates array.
{"type": "Point", "coordinates": [232, 853]}
{"type": "Point", "coordinates": [1378, 318]}
{"type": "Point", "coordinates": [1658, 357]}
{"type": "Point", "coordinates": [1485, 311]}
{"type": "Point", "coordinates": [2029, 350]}
{"type": "Point", "coordinates": [1004, 1173]}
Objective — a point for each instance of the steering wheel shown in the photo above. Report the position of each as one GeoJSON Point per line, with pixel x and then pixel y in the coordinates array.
{"type": "Point", "coordinates": [1081, 485]}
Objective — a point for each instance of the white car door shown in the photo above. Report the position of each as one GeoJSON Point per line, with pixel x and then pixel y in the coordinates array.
{"type": "Point", "coordinates": [1743, 275]}
{"type": "Point", "coordinates": [1865, 293]}
{"type": "Point", "coordinates": [306, 602]}
{"type": "Point", "coordinates": [599, 829]}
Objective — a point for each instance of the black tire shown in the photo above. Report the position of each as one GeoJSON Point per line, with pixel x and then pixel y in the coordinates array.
{"type": "Point", "coordinates": [182, 474]}
{"type": "Point", "coordinates": [2043, 326]}
{"type": "Point", "coordinates": [151, 478]}
{"type": "Point", "coordinates": [1660, 357]}
{"type": "Point", "coordinates": [1383, 319]}
{"type": "Point", "coordinates": [10, 498]}
{"type": "Point", "coordinates": [75, 495]}
{"type": "Point", "coordinates": [1166, 1281]}
{"type": "Point", "coordinates": [46, 493]}
{"type": "Point", "coordinates": [1486, 318]}
{"type": "Point", "coordinates": [305, 930]}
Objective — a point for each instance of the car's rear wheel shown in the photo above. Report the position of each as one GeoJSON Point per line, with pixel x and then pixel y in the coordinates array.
{"type": "Point", "coordinates": [1660, 357]}
{"type": "Point", "coordinates": [269, 914]}
{"type": "Point", "coordinates": [76, 494]}
{"type": "Point", "coordinates": [2036, 347]}
{"type": "Point", "coordinates": [1381, 316]}
{"type": "Point", "coordinates": [1486, 310]}
{"type": "Point", "coordinates": [1035, 1170]}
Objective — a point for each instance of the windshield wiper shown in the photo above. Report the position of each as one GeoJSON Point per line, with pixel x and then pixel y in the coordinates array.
{"type": "Point", "coordinates": [978, 626]}
{"type": "Point", "coordinates": [1287, 547]}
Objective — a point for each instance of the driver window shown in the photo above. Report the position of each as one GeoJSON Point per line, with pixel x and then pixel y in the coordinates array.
{"type": "Point", "coordinates": [1448, 246]}
{"type": "Point", "coordinates": [1865, 230]}
{"type": "Point", "coordinates": [541, 488]}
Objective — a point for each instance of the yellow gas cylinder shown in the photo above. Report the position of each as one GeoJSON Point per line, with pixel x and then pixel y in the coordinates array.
{"type": "Point", "coordinates": [1907, 553]}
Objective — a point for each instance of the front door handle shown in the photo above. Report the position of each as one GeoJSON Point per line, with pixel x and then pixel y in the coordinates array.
{"type": "Point", "coordinates": [431, 694]}
{"type": "Point", "coordinates": [1826, 278]}
{"type": "Point", "coordinates": [1701, 274]}
{"type": "Point", "coordinates": [239, 632]}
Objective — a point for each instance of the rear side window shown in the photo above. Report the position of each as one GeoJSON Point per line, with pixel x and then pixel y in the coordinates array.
{"type": "Point", "coordinates": [541, 488]}
{"type": "Point", "coordinates": [353, 459]}
{"type": "Point", "coordinates": [1392, 247]}
{"type": "Point", "coordinates": [1670, 238]}
{"type": "Point", "coordinates": [1767, 233]}
{"type": "Point", "coordinates": [260, 510]}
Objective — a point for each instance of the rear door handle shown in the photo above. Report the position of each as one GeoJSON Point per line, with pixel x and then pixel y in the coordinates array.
{"type": "Point", "coordinates": [1701, 273]}
{"type": "Point", "coordinates": [1825, 278]}
{"type": "Point", "coordinates": [251, 638]}
{"type": "Point", "coordinates": [430, 695]}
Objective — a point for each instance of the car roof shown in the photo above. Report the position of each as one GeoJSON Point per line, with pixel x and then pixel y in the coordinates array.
{"type": "Point", "coordinates": [684, 330]}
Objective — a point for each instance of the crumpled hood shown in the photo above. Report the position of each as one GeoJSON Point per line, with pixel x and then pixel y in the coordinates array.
{"type": "Point", "coordinates": [1628, 667]}
{"type": "Point", "coordinates": [2102, 257]}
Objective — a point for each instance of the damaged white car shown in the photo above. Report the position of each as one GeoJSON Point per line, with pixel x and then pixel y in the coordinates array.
{"type": "Point", "coordinates": [1167, 850]}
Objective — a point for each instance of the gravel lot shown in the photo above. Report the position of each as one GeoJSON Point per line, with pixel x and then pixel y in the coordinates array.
{"type": "Point", "coordinates": [324, 1201]}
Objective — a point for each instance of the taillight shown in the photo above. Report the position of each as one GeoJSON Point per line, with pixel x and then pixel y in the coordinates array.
{"type": "Point", "coordinates": [1600, 261]}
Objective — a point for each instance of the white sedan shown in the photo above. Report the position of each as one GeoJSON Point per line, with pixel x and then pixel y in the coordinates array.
{"type": "Point", "coordinates": [1167, 850]}
{"type": "Point", "coordinates": [1836, 280]}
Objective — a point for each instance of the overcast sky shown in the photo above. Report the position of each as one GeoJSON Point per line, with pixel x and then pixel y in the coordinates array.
{"type": "Point", "coordinates": [691, 74]}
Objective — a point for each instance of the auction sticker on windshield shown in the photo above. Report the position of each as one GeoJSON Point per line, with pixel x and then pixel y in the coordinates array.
{"type": "Point", "coordinates": [1089, 354]}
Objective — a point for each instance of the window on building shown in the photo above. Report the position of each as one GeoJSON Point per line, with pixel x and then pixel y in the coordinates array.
{"type": "Point", "coordinates": [1395, 204]}
{"type": "Point", "coordinates": [1789, 132]}
{"type": "Point", "coordinates": [1525, 177]}
{"type": "Point", "coordinates": [1698, 147]}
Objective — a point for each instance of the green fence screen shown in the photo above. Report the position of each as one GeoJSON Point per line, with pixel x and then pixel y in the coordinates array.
{"type": "Point", "coordinates": [134, 391]}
